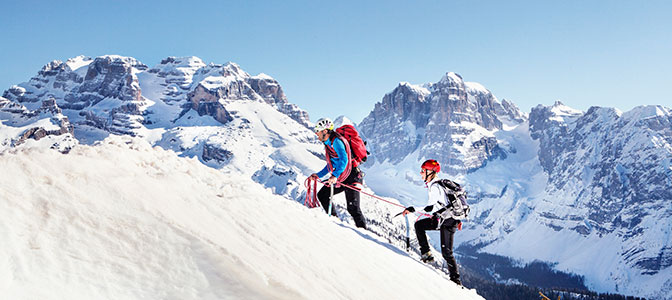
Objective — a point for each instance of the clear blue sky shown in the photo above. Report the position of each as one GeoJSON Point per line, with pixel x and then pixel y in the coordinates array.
{"type": "Point", "coordinates": [342, 57]}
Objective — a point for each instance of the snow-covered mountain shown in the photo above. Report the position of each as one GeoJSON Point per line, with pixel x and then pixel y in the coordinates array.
{"type": "Point", "coordinates": [587, 191]}
{"type": "Point", "coordinates": [228, 119]}
{"type": "Point", "coordinates": [125, 220]}
{"type": "Point", "coordinates": [451, 120]}
{"type": "Point", "coordinates": [241, 125]}
{"type": "Point", "coordinates": [218, 113]}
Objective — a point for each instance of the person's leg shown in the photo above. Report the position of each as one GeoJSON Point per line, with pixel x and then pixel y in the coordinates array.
{"type": "Point", "coordinates": [421, 226]}
{"type": "Point", "coordinates": [447, 231]}
{"type": "Point", "coordinates": [323, 196]}
{"type": "Point", "coordinates": [352, 201]}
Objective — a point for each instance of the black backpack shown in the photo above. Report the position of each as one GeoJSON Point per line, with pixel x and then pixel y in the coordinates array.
{"type": "Point", "coordinates": [457, 208]}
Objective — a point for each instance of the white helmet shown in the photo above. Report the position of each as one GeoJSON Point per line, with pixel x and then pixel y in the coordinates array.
{"type": "Point", "coordinates": [324, 123]}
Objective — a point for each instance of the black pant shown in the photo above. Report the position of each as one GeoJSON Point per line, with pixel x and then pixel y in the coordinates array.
{"type": "Point", "coordinates": [447, 231]}
{"type": "Point", "coordinates": [351, 198]}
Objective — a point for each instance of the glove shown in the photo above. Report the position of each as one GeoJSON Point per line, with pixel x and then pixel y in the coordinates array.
{"type": "Point", "coordinates": [429, 208]}
{"type": "Point", "coordinates": [410, 209]}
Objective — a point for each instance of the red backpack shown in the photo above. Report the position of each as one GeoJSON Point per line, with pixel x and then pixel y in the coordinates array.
{"type": "Point", "coordinates": [357, 146]}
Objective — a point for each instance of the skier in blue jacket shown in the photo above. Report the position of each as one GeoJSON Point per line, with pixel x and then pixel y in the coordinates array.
{"type": "Point", "coordinates": [341, 170]}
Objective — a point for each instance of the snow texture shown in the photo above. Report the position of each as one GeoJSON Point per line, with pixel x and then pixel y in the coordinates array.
{"type": "Point", "coordinates": [125, 220]}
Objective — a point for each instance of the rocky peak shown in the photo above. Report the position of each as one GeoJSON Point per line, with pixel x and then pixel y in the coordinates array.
{"type": "Point", "coordinates": [230, 82]}
{"type": "Point", "coordinates": [50, 106]}
{"type": "Point", "coordinates": [542, 117]}
{"type": "Point", "coordinates": [451, 86]}
{"type": "Point", "coordinates": [178, 66]}
{"type": "Point", "coordinates": [394, 127]}
{"type": "Point", "coordinates": [78, 62]}
{"type": "Point", "coordinates": [186, 61]}
{"type": "Point", "coordinates": [15, 93]}
{"type": "Point", "coordinates": [177, 75]}
{"type": "Point", "coordinates": [53, 68]}
{"type": "Point", "coordinates": [407, 101]}
{"type": "Point", "coordinates": [268, 88]}
{"type": "Point", "coordinates": [54, 80]}
{"type": "Point", "coordinates": [206, 102]}
{"type": "Point", "coordinates": [108, 76]}
{"type": "Point", "coordinates": [10, 110]}
{"type": "Point", "coordinates": [105, 92]}
{"type": "Point", "coordinates": [510, 110]}
{"type": "Point", "coordinates": [47, 121]}
{"type": "Point", "coordinates": [434, 119]}
{"type": "Point", "coordinates": [233, 69]}
{"type": "Point", "coordinates": [655, 117]}
{"type": "Point", "coordinates": [451, 79]}
{"type": "Point", "coordinates": [113, 64]}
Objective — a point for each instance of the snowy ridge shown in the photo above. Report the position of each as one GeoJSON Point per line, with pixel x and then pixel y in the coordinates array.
{"type": "Point", "coordinates": [476, 88]}
{"type": "Point", "coordinates": [181, 104]}
{"type": "Point", "coordinates": [564, 113]}
{"type": "Point", "coordinates": [416, 88]}
{"type": "Point", "coordinates": [160, 226]}
{"type": "Point", "coordinates": [78, 63]}
{"type": "Point", "coordinates": [116, 94]}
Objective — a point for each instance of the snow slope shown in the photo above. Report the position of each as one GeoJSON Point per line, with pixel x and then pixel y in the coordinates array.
{"type": "Point", "coordinates": [123, 220]}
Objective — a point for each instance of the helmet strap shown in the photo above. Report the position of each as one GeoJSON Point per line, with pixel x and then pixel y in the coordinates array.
{"type": "Point", "coordinates": [428, 175]}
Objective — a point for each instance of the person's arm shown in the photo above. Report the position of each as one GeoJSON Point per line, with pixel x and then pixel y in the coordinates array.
{"type": "Point", "coordinates": [412, 209]}
{"type": "Point", "coordinates": [323, 172]}
{"type": "Point", "coordinates": [435, 193]}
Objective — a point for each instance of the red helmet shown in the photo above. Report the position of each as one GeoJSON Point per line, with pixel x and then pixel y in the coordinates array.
{"type": "Point", "coordinates": [432, 165]}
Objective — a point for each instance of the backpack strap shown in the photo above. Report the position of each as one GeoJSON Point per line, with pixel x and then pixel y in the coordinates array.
{"type": "Point", "coordinates": [330, 153]}
{"type": "Point", "coordinates": [452, 190]}
{"type": "Point", "coordinates": [443, 188]}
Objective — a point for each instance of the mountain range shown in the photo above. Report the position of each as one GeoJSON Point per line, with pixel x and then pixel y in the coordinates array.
{"type": "Point", "coordinates": [587, 192]}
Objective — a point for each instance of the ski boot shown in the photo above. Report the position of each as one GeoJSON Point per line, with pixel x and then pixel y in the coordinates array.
{"type": "Point", "coordinates": [427, 258]}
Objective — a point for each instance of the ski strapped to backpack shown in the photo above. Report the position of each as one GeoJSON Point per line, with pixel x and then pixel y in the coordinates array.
{"type": "Point", "coordinates": [456, 198]}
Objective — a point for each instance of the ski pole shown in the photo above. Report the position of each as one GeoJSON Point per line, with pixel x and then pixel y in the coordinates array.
{"type": "Point", "coordinates": [408, 231]}
{"type": "Point", "coordinates": [331, 196]}
{"type": "Point", "coordinates": [408, 234]}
